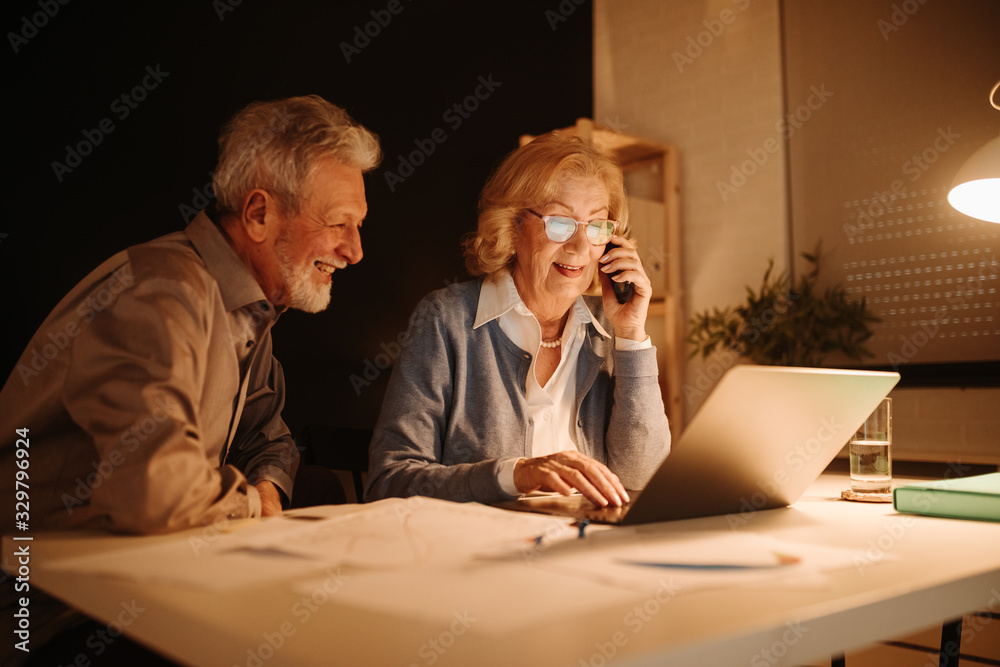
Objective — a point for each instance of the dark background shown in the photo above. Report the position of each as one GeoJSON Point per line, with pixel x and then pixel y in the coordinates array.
{"type": "Point", "coordinates": [133, 186]}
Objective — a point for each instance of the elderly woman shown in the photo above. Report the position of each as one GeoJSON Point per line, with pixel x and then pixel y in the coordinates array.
{"type": "Point", "coordinates": [517, 382]}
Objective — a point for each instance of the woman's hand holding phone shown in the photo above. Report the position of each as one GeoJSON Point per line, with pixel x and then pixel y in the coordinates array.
{"type": "Point", "coordinates": [632, 292]}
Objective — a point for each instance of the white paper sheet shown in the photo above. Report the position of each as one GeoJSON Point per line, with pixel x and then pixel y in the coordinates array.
{"type": "Point", "coordinates": [425, 557]}
{"type": "Point", "coordinates": [390, 535]}
{"type": "Point", "coordinates": [399, 533]}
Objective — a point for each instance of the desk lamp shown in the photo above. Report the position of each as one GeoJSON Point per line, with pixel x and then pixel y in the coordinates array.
{"type": "Point", "coordinates": [976, 189]}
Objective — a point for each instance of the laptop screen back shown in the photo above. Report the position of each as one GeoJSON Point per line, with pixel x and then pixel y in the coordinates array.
{"type": "Point", "coordinates": [764, 434]}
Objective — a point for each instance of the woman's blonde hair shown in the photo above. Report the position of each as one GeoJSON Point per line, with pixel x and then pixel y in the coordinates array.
{"type": "Point", "coordinates": [529, 177]}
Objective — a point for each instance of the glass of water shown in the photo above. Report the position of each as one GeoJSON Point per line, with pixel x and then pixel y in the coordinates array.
{"type": "Point", "coordinates": [871, 458]}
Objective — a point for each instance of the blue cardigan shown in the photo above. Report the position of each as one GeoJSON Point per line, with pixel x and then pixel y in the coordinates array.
{"type": "Point", "coordinates": [455, 407]}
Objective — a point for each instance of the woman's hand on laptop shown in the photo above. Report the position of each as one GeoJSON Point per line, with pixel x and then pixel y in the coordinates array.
{"type": "Point", "coordinates": [563, 472]}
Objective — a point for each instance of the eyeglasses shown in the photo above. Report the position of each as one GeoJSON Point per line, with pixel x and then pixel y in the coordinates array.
{"type": "Point", "coordinates": [560, 228]}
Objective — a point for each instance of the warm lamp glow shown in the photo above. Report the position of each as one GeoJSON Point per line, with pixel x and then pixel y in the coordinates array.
{"type": "Point", "coordinates": [976, 189]}
{"type": "Point", "coordinates": [977, 186]}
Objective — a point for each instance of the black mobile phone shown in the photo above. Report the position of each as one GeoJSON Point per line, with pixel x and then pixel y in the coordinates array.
{"type": "Point", "coordinates": [625, 290]}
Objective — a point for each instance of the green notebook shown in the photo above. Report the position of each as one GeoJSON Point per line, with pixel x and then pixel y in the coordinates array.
{"type": "Point", "coordinates": [976, 497]}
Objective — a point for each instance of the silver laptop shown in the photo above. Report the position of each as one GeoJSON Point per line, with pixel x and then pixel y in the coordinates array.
{"type": "Point", "coordinates": [763, 435]}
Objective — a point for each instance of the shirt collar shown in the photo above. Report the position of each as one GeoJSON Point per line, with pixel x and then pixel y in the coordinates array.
{"type": "Point", "coordinates": [498, 295]}
{"type": "Point", "coordinates": [236, 284]}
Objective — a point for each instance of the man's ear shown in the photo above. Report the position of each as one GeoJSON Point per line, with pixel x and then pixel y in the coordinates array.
{"type": "Point", "coordinates": [259, 209]}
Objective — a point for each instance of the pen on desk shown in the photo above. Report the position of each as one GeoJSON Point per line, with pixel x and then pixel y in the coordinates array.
{"type": "Point", "coordinates": [782, 560]}
{"type": "Point", "coordinates": [548, 538]}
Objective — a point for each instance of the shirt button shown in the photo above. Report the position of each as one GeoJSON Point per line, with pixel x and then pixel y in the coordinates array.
{"type": "Point", "coordinates": [548, 416]}
{"type": "Point", "coordinates": [264, 306]}
{"type": "Point", "coordinates": [249, 343]}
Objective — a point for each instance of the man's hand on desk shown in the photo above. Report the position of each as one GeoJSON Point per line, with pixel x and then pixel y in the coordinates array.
{"type": "Point", "coordinates": [270, 499]}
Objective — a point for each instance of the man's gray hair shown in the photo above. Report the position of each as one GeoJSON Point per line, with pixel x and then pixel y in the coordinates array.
{"type": "Point", "coordinates": [278, 145]}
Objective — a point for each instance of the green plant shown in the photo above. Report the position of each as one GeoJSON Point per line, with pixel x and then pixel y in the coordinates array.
{"type": "Point", "coordinates": [787, 326]}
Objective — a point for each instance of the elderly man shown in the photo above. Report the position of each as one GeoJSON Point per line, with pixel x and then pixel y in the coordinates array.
{"type": "Point", "coordinates": [149, 399]}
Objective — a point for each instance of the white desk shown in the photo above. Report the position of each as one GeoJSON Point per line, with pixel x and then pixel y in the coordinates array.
{"type": "Point", "coordinates": [922, 571]}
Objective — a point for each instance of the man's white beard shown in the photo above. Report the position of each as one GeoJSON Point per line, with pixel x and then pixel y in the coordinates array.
{"type": "Point", "coordinates": [302, 293]}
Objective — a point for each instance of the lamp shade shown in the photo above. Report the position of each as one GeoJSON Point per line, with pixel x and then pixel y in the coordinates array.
{"type": "Point", "coordinates": [976, 189]}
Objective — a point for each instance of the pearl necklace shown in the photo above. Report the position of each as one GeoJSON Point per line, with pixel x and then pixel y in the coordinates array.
{"type": "Point", "coordinates": [552, 343]}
